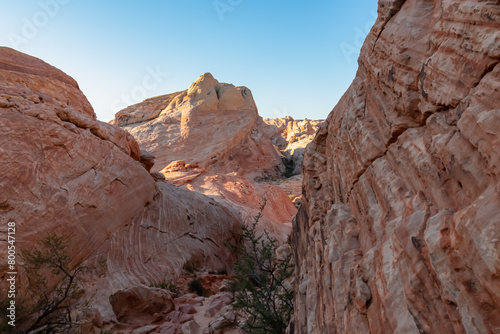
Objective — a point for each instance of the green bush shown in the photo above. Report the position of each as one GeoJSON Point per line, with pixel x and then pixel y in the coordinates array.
{"type": "Point", "coordinates": [261, 296]}
{"type": "Point", "coordinates": [166, 286]}
{"type": "Point", "coordinates": [196, 287]}
{"type": "Point", "coordinates": [51, 305]}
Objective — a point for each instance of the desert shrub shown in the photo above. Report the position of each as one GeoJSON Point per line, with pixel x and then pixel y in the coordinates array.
{"type": "Point", "coordinates": [51, 305]}
{"type": "Point", "coordinates": [262, 296]}
{"type": "Point", "coordinates": [289, 167]}
{"type": "Point", "coordinates": [166, 286]}
{"type": "Point", "coordinates": [197, 287]}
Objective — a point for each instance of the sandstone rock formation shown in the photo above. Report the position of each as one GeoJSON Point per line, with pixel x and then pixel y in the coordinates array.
{"type": "Point", "coordinates": [400, 226]}
{"type": "Point", "coordinates": [210, 124]}
{"type": "Point", "coordinates": [211, 139]}
{"type": "Point", "coordinates": [291, 137]}
{"type": "Point", "coordinates": [144, 309]}
{"type": "Point", "coordinates": [63, 171]}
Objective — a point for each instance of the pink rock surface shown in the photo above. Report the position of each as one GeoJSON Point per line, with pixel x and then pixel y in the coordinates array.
{"type": "Point", "coordinates": [401, 217]}
{"type": "Point", "coordinates": [245, 198]}
{"type": "Point", "coordinates": [210, 139]}
{"type": "Point", "coordinates": [62, 171]}
{"type": "Point", "coordinates": [289, 134]}
{"type": "Point", "coordinates": [168, 328]}
{"type": "Point", "coordinates": [31, 75]}
{"type": "Point", "coordinates": [187, 308]}
{"type": "Point", "coordinates": [178, 317]}
{"type": "Point", "coordinates": [291, 137]}
{"type": "Point", "coordinates": [211, 123]}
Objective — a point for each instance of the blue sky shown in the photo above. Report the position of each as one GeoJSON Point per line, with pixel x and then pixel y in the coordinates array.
{"type": "Point", "coordinates": [297, 57]}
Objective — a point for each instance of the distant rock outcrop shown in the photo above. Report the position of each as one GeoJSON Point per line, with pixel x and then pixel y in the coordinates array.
{"type": "Point", "coordinates": [291, 137]}
{"type": "Point", "coordinates": [64, 172]}
{"type": "Point", "coordinates": [400, 225]}
{"type": "Point", "coordinates": [211, 139]}
{"type": "Point", "coordinates": [211, 124]}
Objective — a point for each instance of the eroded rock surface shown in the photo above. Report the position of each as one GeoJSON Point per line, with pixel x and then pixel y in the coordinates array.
{"type": "Point", "coordinates": [140, 304]}
{"type": "Point", "coordinates": [210, 124]}
{"type": "Point", "coordinates": [210, 139]}
{"type": "Point", "coordinates": [400, 223]}
{"type": "Point", "coordinates": [291, 137]}
{"type": "Point", "coordinates": [64, 172]}
{"type": "Point", "coordinates": [144, 309]}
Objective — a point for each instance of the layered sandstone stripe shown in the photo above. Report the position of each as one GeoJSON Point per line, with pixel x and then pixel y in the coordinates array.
{"type": "Point", "coordinates": [400, 225]}
{"type": "Point", "coordinates": [64, 172]}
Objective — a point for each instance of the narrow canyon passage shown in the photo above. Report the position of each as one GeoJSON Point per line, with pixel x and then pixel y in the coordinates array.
{"type": "Point", "coordinates": [191, 213]}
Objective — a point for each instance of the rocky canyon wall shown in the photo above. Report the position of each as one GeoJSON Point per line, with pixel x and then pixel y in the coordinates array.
{"type": "Point", "coordinates": [400, 224]}
{"type": "Point", "coordinates": [64, 172]}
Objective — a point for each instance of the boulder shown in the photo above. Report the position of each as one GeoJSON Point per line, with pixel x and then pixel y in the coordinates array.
{"type": "Point", "coordinates": [139, 305]}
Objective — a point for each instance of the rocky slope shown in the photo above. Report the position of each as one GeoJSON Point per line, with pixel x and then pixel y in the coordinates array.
{"type": "Point", "coordinates": [62, 171]}
{"type": "Point", "coordinates": [400, 225]}
{"type": "Point", "coordinates": [210, 139]}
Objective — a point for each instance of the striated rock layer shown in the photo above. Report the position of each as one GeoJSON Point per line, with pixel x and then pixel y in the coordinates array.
{"type": "Point", "coordinates": [64, 172]}
{"type": "Point", "coordinates": [400, 225]}
{"type": "Point", "coordinates": [210, 139]}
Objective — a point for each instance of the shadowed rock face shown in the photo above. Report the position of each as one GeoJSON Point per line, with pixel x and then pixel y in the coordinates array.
{"type": "Point", "coordinates": [400, 221]}
{"type": "Point", "coordinates": [139, 305]}
{"type": "Point", "coordinates": [62, 171]}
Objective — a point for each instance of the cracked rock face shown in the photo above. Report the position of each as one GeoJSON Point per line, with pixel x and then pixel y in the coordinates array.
{"type": "Point", "coordinates": [399, 228]}
{"type": "Point", "coordinates": [64, 172]}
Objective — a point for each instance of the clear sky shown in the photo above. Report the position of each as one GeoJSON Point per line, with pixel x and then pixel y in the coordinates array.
{"type": "Point", "coordinates": [297, 57]}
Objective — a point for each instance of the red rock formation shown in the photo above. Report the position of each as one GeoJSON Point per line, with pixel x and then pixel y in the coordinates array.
{"type": "Point", "coordinates": [401, 217]}
{"type": "Point", "coordinates": [292, 137]}
{"type": "Point", "coordinates": [63, 171]}
{"type": "Point", "coordinates": [210, 139]}
{"type": "Point", "coordinates": [210, 124]}
{"type": "Point", "coordinates": [140, 304]}
{"type": "Point", "coordinates": [288, 134]}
